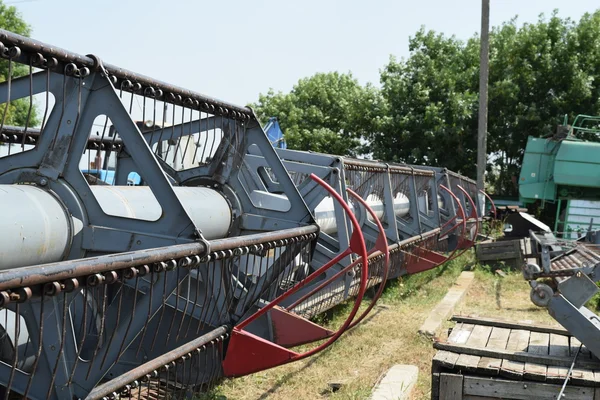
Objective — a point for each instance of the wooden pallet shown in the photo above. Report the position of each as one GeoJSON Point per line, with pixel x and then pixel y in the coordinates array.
{"type": "Point", "coordinates": [492, 359]}
{"type": "Point", "coordinates": [511, 252]}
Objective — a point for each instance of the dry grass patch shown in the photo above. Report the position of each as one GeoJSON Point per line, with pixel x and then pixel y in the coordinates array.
{"type": "Point", "coordinates": [389, 336]}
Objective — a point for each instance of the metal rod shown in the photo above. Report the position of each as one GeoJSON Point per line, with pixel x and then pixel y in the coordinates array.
{"type": "Point", "coordinates": [30, 45]}
{"type": "Point", "coordinates": [249, 240]}
{"type": "Point", "coordinates": [44, 273]}
{"type": "Point", "coordinates": [384, 167]}
{"type": "Point", "coordinates": [564, 386]}
{"type": "Point", "coordinates": [117, 383]}
{"type": "Point", "coordinates": [40, 274]}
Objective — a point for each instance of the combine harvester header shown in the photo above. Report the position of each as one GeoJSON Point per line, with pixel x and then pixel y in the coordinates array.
{"type": "Point", "coordinates": [212, 263]}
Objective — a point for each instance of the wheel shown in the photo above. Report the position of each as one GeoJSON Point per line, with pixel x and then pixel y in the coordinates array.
{"type": "Point", "coordinates": [541, 294]}
{"type": "Point", "coordinates": [530, 270]}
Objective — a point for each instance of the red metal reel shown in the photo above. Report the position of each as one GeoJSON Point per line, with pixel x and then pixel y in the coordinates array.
{"type": "Point", "coordinates": [248, 353]}
{"type": "Point", "coordinates": [474, 215]}
{"type": "Point", "coordinates": [380, 246]}
{"type": "Point", "coordinates": [487, 196]}
{"type": "Point", "coordinates": [462, 221]}
{"type": "Point", "coordinates": [493, 223]}
{"type": "Point", "coordinates": [422, 259]}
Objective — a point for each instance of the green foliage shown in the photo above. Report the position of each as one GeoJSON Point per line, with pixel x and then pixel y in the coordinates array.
{"type": "Point", "coordinates": [538, 73]}
{"type": "Point", "coordinates": [328, 112]}
{"type": "Point", "coordinates": [432, 105]}
{"type": "Point", "coordinates": [426, 110]}
{"type": "Point", "coordinates": [19, 112]}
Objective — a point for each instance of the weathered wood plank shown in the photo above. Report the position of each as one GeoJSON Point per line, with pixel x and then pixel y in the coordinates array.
{"type": "Point", "coordinates": [505, 389]}
{"type": "Point", "coordinates": [518, 341]}
{"type": "Point", "coordinates": [581, 376]}
{"type": "Point", "coordinates": [478, 338]}
{"type": "Point", "coordinates": [451, 387]}
{"type": "Point", "coordinates": [538, 344]}
{"type": "Point", "coordinates": [444, 308]}
{"type": "Point", "coordinates": [435, 386]}
{"type": "Point", "coordinates": [507, 255]}
{"type": "Point", "coordinates": [509, 355]}
{"type": "Point", "coordinates": [597, 385]}
{"type": "Point", "coordinates": [445, 359]}
{"type": "Point", "coordinates": [498, 340]}
{"type": "Point", "coordinates": [510, 325]}
{"type": "Point", "coordinates": [469, 397]}
{"type": "Point", "coordinates": [559, 346]}
{"type": "Point", "coordinates": [460, 333]}
{"type": "Point", "coordinates": [496, 251]}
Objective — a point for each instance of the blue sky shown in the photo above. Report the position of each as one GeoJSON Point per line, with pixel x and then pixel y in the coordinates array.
{"type": "Point", "coordinates": [234, 50]}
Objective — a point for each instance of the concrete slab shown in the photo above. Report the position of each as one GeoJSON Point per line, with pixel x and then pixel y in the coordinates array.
{"type": "Point", "coordinates": [397, 384]}
{"type": "Point", "coordinates": [442, 311]}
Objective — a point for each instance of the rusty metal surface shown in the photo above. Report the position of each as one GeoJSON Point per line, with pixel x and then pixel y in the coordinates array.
{"type": "Point", "coordinates": [582, 255]}
{"type": "Point", "coordinates": [45, 273]}
{"type": "Point", "coordinates": [14, 135]}
{"type": "Point", "coordinates": [152, 367]}
{"type": "Point", "coordinates": [351, 163]}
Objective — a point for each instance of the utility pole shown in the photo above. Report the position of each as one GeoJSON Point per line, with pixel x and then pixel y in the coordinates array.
{"type": "Point", "coordinates": [483, 98]}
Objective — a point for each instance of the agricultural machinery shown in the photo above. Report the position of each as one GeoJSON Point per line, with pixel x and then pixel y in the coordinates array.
{"type": "Point", "coordinates": [564, 169]}
{"type": "Point", "coordinates": [151, 260]}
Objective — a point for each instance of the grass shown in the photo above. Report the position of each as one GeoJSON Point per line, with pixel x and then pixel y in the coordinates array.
{"type": "Point", "coordinates": [389, 336]}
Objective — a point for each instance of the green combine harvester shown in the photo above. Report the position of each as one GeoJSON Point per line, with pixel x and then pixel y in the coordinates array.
{"type": "Point", "coordinates": [564, 170]}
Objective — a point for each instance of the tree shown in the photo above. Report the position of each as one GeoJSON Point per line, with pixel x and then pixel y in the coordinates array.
{"type": "Point", "coordinates": [538, 73]}
{"type": "Point", "coordinates": [328, 112]}
{"type": "Point", "coordinates": [19, 112]}
{"type": "Point", "coordinates": [432, 105]}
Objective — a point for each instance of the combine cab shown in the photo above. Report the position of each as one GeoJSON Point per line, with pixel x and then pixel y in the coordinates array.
{"type": "Point", "coordinates": [565, 170]}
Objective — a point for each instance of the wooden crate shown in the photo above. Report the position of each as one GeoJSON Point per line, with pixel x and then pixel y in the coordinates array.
{"type": "Point", "coordinates": [491, 359]}
{"type": "Point", "coordinates": [510, 252]}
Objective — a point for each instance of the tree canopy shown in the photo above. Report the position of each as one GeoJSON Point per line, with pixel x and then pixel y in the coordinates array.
{"type": "Point", "coordinates": [328, 112]}
{"type": "Point", "coordinates": [19, 112]}
{"type": "Point", "coordinates": [426, 109]}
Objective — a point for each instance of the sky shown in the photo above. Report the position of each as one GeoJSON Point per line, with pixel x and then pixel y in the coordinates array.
{"type": "Point", "coordinates": [234, 50]}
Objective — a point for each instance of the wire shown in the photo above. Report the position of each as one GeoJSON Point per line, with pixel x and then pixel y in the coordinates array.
{"type": "Point", "coordinates": [562, 390]}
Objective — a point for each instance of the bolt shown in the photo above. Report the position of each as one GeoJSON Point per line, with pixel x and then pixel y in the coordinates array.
{"type": "Point", "coordinates": [69, 122]}
{"type": "Point", "coordinates": [139, 242]}
{"type": "Point", "coordinates": [43, 181]}
{"type": "Point", "coordinates": [52, 348]}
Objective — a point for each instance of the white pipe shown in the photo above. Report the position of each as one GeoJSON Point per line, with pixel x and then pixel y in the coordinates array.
{"type": "Point", "coordinates": [34, 227]}
{"type": "Point", "coordinates": [325, 215]}
{"type": "Point", "coordinates": [207, 208]}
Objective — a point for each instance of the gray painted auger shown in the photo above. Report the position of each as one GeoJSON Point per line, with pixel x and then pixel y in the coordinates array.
{"type": "Point", "coordinates": [137, 258]}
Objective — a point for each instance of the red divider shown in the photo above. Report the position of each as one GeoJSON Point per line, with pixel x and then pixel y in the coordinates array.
{"type": "Point", "coordinates": [473, 215]}
{"type": "Point", "coordinates": [463, 219]}
{"type": "Point", "coordinates": [381, 244]}
{"type": "Point", "coordinates": [248, 353]}
{"type": "Point", "coordinates": [487, 196]}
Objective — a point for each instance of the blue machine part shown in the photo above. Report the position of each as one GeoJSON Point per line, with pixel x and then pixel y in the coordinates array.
{"type": "Point", "coordinates": [275, 134]}
{"type": "Point", "coordinates": [108, 176]}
